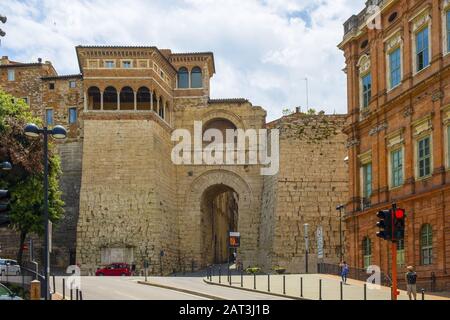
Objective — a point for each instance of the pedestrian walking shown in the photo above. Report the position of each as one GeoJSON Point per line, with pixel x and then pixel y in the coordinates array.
{"type": "Point", "coordinates": [411, 283]}
{"type": "Point", "coordinates": [344, 271]}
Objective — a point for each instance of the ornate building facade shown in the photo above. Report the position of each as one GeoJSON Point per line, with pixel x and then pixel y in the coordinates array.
{"type": "Point", "coordinates": [398, 74]}
{"type": "Point", "coordinates": [125, 198]}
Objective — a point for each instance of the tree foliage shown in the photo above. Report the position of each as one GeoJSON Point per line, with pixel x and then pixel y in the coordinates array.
{"type": "Point", "coordinates": [25, 181]}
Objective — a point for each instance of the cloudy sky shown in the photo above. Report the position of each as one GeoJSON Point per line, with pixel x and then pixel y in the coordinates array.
{"type": "Point", "coordinates": [264, 49]}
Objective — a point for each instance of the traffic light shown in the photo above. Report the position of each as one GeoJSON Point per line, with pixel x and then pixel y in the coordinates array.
{"type": "Point", "coordinates": [399, 224]}
{"type": "Point", "coordinates": [3, 19]}
{"type": "Point", "coordinates": [385, 224]}
{"type": "Point", "coordinates": [5, 207]}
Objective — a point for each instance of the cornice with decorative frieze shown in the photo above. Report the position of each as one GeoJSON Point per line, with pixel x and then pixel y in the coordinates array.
{"type": "Point", "coordinates": [365, 157]}
{"type": "Point", "coordinates": [352, 143]}
{"type": "Point", "coordinates": [395, 138]}
{"type": "Point", "coordinates": [381, 127]}
{"type": "Point", "coordinates": [422, 126]}
{"type": "Point", "coordinates": [446, 115]}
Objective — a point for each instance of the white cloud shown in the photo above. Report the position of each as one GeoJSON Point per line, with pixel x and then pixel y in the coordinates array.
{"type": "Point", "coordinates": [264, 49]}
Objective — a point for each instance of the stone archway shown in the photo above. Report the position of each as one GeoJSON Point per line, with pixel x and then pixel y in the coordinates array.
{"type": "Point", "coordinates": [219, 215]}
{"type": "Point", "coordinates": [204, 192]}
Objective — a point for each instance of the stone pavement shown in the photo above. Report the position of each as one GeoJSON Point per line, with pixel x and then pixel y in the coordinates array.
{"type": "Point", "coordinates": [354, 290]}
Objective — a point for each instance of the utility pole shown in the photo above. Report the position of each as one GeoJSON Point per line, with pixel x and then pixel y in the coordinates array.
{"type": "Point", "coordinates": [394, 254]}
{"type": "Point", "coordinates": [307, 94]}
{"type": "Point", "coordinates": [58, 132]}
{"type": "Point", "coordinates": [392, 228]}
{"type": "Point", "coordinates": [341, 250]}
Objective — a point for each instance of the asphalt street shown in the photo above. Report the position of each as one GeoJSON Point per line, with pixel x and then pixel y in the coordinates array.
{"type": "Point", "coordinates": [128, 288]}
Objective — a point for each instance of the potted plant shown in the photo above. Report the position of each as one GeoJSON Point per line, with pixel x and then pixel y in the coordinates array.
{"type": "Point", "coordinates": [279, 270]}
{"type": "Point", "coordinates": [253, 270]}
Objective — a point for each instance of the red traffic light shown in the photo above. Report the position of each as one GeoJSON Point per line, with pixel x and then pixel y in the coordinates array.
{"type": "Point", "coordinates": [399, 213]}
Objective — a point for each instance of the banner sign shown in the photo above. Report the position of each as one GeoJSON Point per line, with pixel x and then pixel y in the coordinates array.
{"type": "Point", "coordinates": [235, 239]}
{"type": "Point", "coordinates": [320, 254]}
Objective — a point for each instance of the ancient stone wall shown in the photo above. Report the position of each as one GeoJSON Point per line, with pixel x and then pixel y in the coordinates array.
{"type": "Point", "coordinates": [125, 200]}
{"type": "Point", "coordinates": [311, 183]}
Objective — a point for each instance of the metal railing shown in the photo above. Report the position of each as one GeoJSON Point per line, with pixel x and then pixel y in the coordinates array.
{"type": "Point", "coordinates": [354, 273]}
{"type": "Point", "coordinates": [21, 278]}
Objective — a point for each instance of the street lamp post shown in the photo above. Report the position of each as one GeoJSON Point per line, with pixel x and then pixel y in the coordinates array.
{"type": "Point", "coordinates": [306, 226]}
{"type": "Point", "coordinates": [58, 132]}
{"type": "Point", "coordinates": [341, 252]}
{"type": "Point", "coordinates": [6, 166]}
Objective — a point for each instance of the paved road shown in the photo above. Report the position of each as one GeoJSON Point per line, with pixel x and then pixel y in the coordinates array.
{"type": "Point", "coordinates": [128, 288]}
{"type": "Point", "coordinates": [197, 284]}
{"type": "Point", "coordinates": [118, 288]}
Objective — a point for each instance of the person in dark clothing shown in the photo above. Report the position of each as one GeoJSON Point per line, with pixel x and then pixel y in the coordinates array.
{"type": "Point", "coordinates": [344, 271]}
{"type": "Point", "coordinates": [411, 283]}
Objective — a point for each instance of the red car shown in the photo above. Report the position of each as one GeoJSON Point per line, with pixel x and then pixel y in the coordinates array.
{"type": "Point", "coordinates": [115, 270]}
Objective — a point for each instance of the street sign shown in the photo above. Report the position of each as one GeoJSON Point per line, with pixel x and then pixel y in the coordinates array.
{"type": "Point", "coordinates": [235, 239]}
{"type": "Point", "coordinates": [319, 235]}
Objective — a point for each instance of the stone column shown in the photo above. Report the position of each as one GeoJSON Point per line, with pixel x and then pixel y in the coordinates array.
{"type": "Point", "coordinates": [189, 78]}
{"type": "Point", "coordinates": [135, 100]}
{"type": "Point", "coordinates": [157, 106]}
{"type": "Point", "coordinates": [101, 100]}
{"type": "Point", "coordinates": [118, 100]}
{"type": "Point", "coordinates": [151, 100]}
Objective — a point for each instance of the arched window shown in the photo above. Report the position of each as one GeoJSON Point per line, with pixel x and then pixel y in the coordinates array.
{"type": "Point", "coordinates": [426, 244]}
{"type": "Point", "coordinates": [183, 78]}
{"type": "Point", "coordinates": [196, 78]}
{"type": "Point", "coordinates": [161, 108]}
{"type": "Point", "coordinates": [110, 99]}
{"type": "Point", "coordinates": [127, 99]}
{"type": "Point", "coordinates": [94, 99]}
{"type": "Point", "coordinates": [367, 252]}
{"type": "Point", "coordinates": [143, 99]}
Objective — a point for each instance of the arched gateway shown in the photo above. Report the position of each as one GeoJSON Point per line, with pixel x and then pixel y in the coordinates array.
{"type": "Point", "coordinates": [219, 201]}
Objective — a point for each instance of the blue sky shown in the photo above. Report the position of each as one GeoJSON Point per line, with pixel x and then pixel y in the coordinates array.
{"type": "Point", "coordinates": [264, 49]}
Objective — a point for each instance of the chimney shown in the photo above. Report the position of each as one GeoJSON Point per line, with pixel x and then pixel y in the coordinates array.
{"type": "Point", "coordinates": [4, 60]}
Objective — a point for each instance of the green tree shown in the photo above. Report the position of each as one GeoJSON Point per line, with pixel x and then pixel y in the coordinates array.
{"type": "Point", "coordinates": [25, 181]}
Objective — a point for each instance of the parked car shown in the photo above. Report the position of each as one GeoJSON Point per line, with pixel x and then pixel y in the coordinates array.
{"type": "Point", "coordinates": [115, 269]}
{"type": "Point", "coordinates": [6, 294]}
{"type": "Point", "coordinates": [9, 267]}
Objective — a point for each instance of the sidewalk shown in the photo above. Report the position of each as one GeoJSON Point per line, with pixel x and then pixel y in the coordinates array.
{"type": "Point", "coordinates": [331, 289]}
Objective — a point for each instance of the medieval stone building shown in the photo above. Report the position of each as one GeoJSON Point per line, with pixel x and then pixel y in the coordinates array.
{"type": "Point", "coordinates": [125, 198]}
